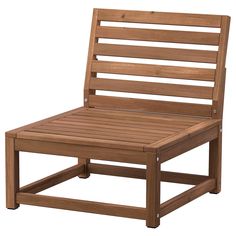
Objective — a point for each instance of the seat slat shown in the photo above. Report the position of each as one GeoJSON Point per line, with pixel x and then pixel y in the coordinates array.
{"type": "Point", "coordinates": [127, 123]}
{"type": "Point", "coordinates": [99, 135]}
{"type": "Point", "coordinates": [150, 105]}
{"type": "Point", "coordinates": [121, 125]}
{"type": "Point", "coordinates": [159, 53]}
{"type": "Point", "coordinates": [78, 126]}
{"type": "Point", "coordinates": [140, 116]}
{"type": "Point", "coordinates": [151, 88]}
{"type": "Point", "coordinates": [176, 72]}
{"type": "Point", "coordinates": [170, 36]}
{"type": "Point", "coordinates": [151, 17]}
{"type": "Point", "coordinates": [105, 130]}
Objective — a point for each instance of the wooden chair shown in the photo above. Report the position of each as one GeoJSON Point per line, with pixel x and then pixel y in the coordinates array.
{"type": "Point", "coordinates": [134, 130]}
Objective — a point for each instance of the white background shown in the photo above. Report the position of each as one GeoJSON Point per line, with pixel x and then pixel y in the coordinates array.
{"type": "Point", "coordinates": [43, 50]}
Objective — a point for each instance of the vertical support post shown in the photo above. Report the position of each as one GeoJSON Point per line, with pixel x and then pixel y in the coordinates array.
{"type": "Point", "coordinates": [91, 57]}
{"type": "Point", "coordinates": [85, 174]}
{"type": "Point", "coordinates": [153, 190]}
{"type": "Point", "coordinates": [215, 156]}
{"type": "Point", "coordinates": [12, 174]}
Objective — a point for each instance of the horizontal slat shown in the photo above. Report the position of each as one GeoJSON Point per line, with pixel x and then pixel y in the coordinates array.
{"type": "Point", "coordinates": [79, 140]}
{"type": "Point", "coordinates": [139, 173]}
{"type": "Point", "coordinates": [151, 17]}
{"type": "Point", "coordinates": [158, 53]}
{"type": "Point", "coordinates": [186, 197]}
{"type": "Point", "coordinates": [182, 178]}
{"type": "Point", "coordinates": [140, 116]}
{"type": "Point", "coordinates": [176, 72]}
{"type": "Point", "coordinates": [170, 36]}
{"type": "Point", "coordinates": [151, 88]}
{"type": "Point", "coordinates": [101, 135]}
{"type": "Point", "coordinates": [82, 151]}
{"type": "Point", "coordinates": [123, 125]}
{"type": "Point", "coordinates": [81, 205]}
{"type": "Point", "coordinates": [119, 130]}
{"type": "Point", "coordinates": [53, 179]}
{"type": "Point", "coordinates": [149, 105]}
{"type": "Point", "coordinates": [121, 171]}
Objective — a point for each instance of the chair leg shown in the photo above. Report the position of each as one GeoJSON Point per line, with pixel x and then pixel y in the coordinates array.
{"type": "Point", "coordinates": [12, 174]}
{"type": "Point", "coordinates": [85, 174]}
{"type": "Point", "coordinates": [215, 152]}
{"type": "Point", "coordinates": [153, 191]}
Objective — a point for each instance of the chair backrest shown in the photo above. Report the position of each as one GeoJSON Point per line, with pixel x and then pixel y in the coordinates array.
{"type": "Point", "coordinates": [195, 52]}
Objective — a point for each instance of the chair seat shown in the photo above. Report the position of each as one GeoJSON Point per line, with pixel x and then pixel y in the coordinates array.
{"type": "Point", "coordinates": [109, 128]}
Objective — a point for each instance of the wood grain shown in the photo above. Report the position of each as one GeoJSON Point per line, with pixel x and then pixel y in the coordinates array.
{"type": "Point", "coordinates": [12, 174]}
{"type": "Point", "coordinates": [153, 178]}
{"type": "Point", "coordinates": [81, 205]}
{"type": "Point", "coordinates": [177, 72]}
{"type": "Point", "coordinates": [90, 58]}
{"type": "Point", "coordinates": [215, 160]}
{"type": "Point", "coordinates": [158, 53]}
{"type": "Point", "coordinates": [145, 105]}
{"type": "Point", "coordinates": [169, 36]}
{"type": "Point", "coordinates": [165, 89]}
{"type": "Point", "coordinates": [153, 17]}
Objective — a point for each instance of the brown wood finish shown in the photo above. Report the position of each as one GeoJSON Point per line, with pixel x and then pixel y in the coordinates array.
{"type": "Point", "coordinates": [157, 35]}
{"type": "Point", "coordinates": [81, 205]}
{"type": "Point", "coordinates": [218, 94]}
{"type": "Point", "coordinates": [64, 149]}
{"type": "Point", "coordinates": [85, 162]}
{"type": "Point", "coordinates": [176, 72]}
{"type": "Point", "coordinates": [12, 174]}
{"type": "Point", "coordinates": [53, 180]}
{"type": "Point", "coordinates": [187, 196]}
{"type": "Point", "coordinates": [140, 173]}
{"type": "Point", "coordinates": [152, 17]}
{"type": "Point", "coordinates": [215, 159]}
{"type": "Point", "coordinates": [152, 88]}
{"type": "Point", "coordinates": [145, 105]}
{"type": "Point", "coordinates": [134, 130]}
{"type": "Point", "coordinates": [153, 176]}
{"type": "Point", "coordinates": [175, 54]}
{"type": "Point", "coordinates": [91, 57]}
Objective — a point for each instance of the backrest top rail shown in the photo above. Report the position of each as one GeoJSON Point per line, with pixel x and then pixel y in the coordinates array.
{"type": "Point", "coordinates": [167, 18]}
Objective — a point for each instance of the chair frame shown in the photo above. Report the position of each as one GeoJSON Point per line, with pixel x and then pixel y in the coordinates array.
{"type": "Point", "coordinates": [152, 156]}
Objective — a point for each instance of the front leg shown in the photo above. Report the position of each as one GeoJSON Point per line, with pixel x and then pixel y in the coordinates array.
{"type": "Point", "coordinates": [12, 173]}
{"type": "Point", "coordinates": [153, 191]}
